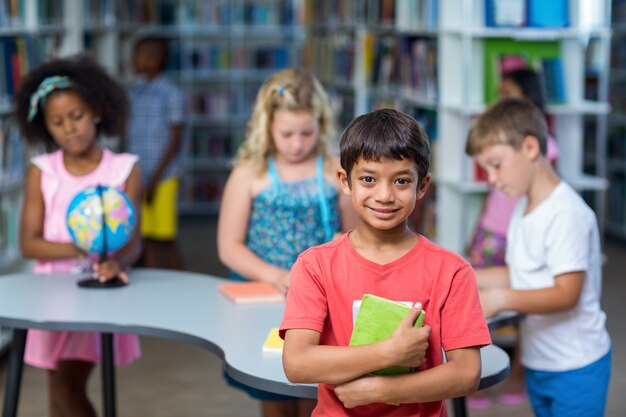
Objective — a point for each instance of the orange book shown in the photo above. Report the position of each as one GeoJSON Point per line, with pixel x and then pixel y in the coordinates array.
{"type": "Point", "coordinates": [252, 292]}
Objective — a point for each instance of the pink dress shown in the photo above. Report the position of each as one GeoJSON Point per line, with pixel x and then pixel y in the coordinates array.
{"type": "Point", "coordinates": [489, 243]}
{"type": "Point", "coordinates": [44, 349]}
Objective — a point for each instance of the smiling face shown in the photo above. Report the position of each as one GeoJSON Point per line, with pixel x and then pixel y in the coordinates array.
{"type": "Point", "coordinates": [383, 192]}
{"type": "Point", "coordinates": [70, 121]}
{"type": "Point", "coordinates": [294, 135]}
{"type": "Point", "coordinates": [510, 169]}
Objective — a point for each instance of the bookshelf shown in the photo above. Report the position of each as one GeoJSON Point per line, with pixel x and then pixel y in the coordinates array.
{"type": "Point", "coordinates": [29, 32]}
{"type": "Point", "coordinates": [616, 144]}
{"type": "Point", "coordinates": [438, 60]}
{"type": "Point", "coordinates": [467, 41]}
{"type": "Point", "coordinates": [220, 53]}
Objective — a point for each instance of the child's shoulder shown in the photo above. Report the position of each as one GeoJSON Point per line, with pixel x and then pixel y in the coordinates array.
{"type": "Point", "coordinates": [441, 254]}
{"type": "Point", "coordinates": [325, 250]}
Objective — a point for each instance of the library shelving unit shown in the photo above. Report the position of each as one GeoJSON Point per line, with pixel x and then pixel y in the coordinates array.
{"type": "Point", "coordinates": [440, 60]}
{"type": "Point", "coordinates": [615, 224]}
{"type": "Point", "coordinates": [220, 53]}
{"type": "Point", "coordinates": [377, 54]}
{"type": "Point", "coordinates": [29, 32]}
{"type": "Point", "coordinates": [471, 53]}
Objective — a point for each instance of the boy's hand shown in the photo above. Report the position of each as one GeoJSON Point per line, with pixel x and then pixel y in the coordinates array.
{"type": "Point", "coordinates": [407, 345]}
{"type": "Point", "coordinates": [491, 301]}
{"type": "Point", "coordinates": [107, 270]}
{"type": "Point", "coordinates": [361, 391]}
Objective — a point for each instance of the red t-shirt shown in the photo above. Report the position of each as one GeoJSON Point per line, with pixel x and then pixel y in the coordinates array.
{"type": "Point", "coordinates": [326, 279]}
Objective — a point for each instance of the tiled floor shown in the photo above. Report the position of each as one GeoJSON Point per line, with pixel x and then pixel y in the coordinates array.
{"type": "Point", "coordinates": [177, 380]}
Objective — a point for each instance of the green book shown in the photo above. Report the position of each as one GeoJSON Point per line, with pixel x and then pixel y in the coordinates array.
{"type": "Point", "coordinates": [376, 320]}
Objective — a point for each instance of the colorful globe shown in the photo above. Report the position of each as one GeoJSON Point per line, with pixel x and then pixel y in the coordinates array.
{"type": "Point", "coordinates": [84, 219]}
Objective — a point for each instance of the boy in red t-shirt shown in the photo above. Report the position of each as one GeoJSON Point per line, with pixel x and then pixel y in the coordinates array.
{"type": "Point", "coordinates": [384, 169]}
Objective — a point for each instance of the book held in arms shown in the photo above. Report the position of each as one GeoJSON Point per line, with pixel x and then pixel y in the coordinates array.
{"type": "Point", "coordinates": [251, 292]}
{"type": "Point", "coordinates": [377, 318]}
{"type": "Point", "coordinates": [273, 343]}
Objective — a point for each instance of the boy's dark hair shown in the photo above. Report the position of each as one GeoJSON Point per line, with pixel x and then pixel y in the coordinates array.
{"type": "Point", "coordinates": [508, 121]}
{"type": "Point", "coordinates": [104, 96]}
{"type": "Point", "coordinates": [531, 84]}
{"type": "Point", "coordinates": [157, 45]}
{"type": "Point", "coordinates": [385, 134]}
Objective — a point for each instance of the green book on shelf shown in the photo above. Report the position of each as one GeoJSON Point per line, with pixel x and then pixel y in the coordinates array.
{"type": "Point", "coordinates": [376, 320]}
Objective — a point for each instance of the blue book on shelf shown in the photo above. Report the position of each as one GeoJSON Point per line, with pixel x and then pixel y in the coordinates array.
{"type": "Point", "coordinates": [548, 14]}
{"type": "Point", "coordinates": [552, 69]}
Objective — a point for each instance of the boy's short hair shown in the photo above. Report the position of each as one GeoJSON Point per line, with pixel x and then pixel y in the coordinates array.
{"type": "Point", "coordinates": [507, 122]}
{"type": "Point", "coordinates": [157, 45]}
{"type": "Point", "coordinates": [385, 134]}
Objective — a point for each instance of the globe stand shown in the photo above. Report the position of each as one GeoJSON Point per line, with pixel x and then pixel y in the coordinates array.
{"type": "Point", "coordinates": [114, 282]}
{"type": "Point", "coordinates": [94, 283]}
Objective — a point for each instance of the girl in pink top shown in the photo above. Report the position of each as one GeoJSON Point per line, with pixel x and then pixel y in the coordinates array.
{"type": "Point", "coordinates": [489, 241]}
{"type": "Point", "coordinates": [66, 104]}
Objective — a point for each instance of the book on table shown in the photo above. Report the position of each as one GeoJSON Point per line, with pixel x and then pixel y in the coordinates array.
{"type": "Point", "coordinates": [375, 319]}
{"type": "Point", "coordinates": [251, 292]}
{"type": "Point", "coordinates": [273, 343]}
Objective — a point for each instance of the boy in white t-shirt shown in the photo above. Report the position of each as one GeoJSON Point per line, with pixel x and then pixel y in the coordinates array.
{"type": "Point", "coordinates": [553, 271]}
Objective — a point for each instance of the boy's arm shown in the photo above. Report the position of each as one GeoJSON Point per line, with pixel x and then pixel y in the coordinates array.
{"type": "Point", "coordinates": [306, 361]}
{"type": "Point", "coordinates": [173, 146]}
{"type": "Point", "coordinates": [492, 277]}
{"type": "Point", "coordinates": [562, 296]}
{"type": "Point", "coordinates": [459, 376]}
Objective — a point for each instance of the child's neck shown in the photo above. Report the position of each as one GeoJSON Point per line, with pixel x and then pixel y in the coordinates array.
{"type": "Point", "coordinates": [544, 181]}
{"type": "Point", "coordinates": [84, 163]}
{"type": "Point", "coordinates": [383, 246]}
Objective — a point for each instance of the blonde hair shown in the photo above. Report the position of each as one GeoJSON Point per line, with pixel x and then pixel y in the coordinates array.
{"type": "Point", "coordinates": [294, 90]}
{"type": "Point", "coordinates": [508, 121]}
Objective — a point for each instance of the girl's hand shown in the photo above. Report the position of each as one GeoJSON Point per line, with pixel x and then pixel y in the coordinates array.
{"type": "Point", "coordinates": [408, 344]}
{"type": "Point", "coordinates": [281, 281]}
{"type": "Point", "coordinates": [107, 270]}
{"type": "Point", "coordinates": [361, 391]}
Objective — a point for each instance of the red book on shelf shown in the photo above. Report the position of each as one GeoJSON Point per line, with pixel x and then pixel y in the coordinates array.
{"type": "Point", "coordinates": [252, 292]}
{"type": "Point", "coordinates": [479, 173]}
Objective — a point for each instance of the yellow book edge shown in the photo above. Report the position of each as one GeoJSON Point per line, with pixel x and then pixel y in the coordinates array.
{"type": "Point", "coordinates": [273, 343]}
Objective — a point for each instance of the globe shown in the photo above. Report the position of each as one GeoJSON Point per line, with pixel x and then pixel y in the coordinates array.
{"type": "Point", "coordinates": [85, 214]}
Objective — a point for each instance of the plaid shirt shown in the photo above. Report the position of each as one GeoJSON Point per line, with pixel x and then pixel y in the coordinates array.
{"type": "Point", "coordinates": [155, 107]}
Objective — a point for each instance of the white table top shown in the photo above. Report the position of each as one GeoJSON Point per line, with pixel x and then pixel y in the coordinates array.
{"type": "Point", "coordinates": [180, 306]}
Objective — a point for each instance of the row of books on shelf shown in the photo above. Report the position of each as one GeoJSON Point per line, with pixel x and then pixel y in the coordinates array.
{"type": "Point", "coordinates": [207, 143]}
{"type": "Point", "coordinates": [618, 11]}
{"type": "Point", "coordinates": [173, 12]}
{"type": "Point", "coordinates": [13, 12]}
{"type": "Point", "coordinates": [618, 54]}
{"type": "Point", "coordinates": [401, 14]}
{"type": "Point", "coordinates": [203, 189]}
{"type": "Point", "coordinates": [17, 56]}
{"type": "Point", "coordinates": [222, 101]}
{"type": "Point", "coordinates": [9, 223]}
{"type": "Point", "coordinates": [210, 56]}
{"type": "Point", "coordinates": [527, 13]}
{"type": "Point", "coordinates": [13, 154]}
{"type": "Point", "coordinates": [404, 14]}
{"type": "Point", "coordinates": [406, 63]}
{"type": "Point", "coordinates": [616, 198]}
{"type": "Point", "coordinates": [331, 57]}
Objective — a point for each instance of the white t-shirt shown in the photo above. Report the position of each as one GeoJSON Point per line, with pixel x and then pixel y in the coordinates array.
{"type": "Point", "coordinates": [560, 235]}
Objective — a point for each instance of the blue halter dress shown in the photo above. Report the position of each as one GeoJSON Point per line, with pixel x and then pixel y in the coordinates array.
{"type": "Point", "coordinates": [289, 217]}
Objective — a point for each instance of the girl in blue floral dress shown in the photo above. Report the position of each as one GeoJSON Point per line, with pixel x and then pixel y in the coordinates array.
{"type": "Point", "coordinates": [282, 196]}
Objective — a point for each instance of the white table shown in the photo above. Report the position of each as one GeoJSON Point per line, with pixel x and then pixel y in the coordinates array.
{"type": "Point", "coordinates": [180, 306]}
